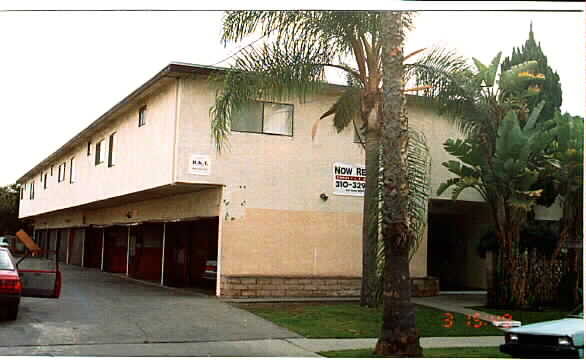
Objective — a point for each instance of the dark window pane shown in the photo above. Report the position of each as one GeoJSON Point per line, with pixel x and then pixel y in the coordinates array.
{"type": "Point", "coordinates": [249, 118]}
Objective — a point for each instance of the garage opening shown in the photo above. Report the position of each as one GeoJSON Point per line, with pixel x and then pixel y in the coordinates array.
{"type": "Point", "coordinates": [115, 245]}
{"type": "Point", "coordinates": [145, 252]}
{"type": "Point", "coordinates": [453, 234]}
{"type": "Point", "coordinates": [190, 248]}
{"type": "Point", "coordinates": [76, 239]}
{"type": "Point", "coordinates": [92, 252]}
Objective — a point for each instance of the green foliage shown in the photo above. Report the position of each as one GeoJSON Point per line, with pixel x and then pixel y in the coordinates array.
{"type": "Point", "coordinates": [9, 201]}
{"type": "Point", "coordinates": [551, 89]}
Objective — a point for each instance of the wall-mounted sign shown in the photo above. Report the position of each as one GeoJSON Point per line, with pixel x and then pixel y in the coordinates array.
{"type": "Point", "coordinates": [200, 164]}
{"type": "Point", "coordinates": [349, 179]}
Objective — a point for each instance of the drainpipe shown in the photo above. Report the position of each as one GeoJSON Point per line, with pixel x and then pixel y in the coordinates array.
{"type": "Point", "coordinates": [103, 240]}
{"type": "Point", "coordinates": [163, 255]}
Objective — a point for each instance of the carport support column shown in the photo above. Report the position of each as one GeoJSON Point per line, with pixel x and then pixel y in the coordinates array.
{"type": "Point", "coordinates": [83, 247]}
{"type": "Point", "coordinates": [103, 240]}
{"type": "Point", "coordinates": [163, 255]}
{"type": "Point", "coordinates": [128, 251]}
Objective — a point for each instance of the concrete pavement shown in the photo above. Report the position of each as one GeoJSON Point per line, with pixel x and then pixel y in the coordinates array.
{"type": "Point", "coordinates": [319, 345]}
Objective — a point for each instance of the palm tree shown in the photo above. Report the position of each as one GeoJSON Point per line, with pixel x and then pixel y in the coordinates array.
{"type": "Point", "coordinates": [291, 63]}
{"type": "Point", "coordinates": [399, 336]}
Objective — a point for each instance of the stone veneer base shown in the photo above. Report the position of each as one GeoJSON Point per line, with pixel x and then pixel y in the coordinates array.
{"type": "Point", "coordinates": [298, 286]}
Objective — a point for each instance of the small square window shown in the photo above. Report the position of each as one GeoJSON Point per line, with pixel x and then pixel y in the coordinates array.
{"type": "Point", "coordinates": [142, 116]}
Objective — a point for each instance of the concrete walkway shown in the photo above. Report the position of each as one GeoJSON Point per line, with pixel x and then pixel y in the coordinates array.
{"type": "Point", "coordinates": [291, 347]}
{"type": "Point", "coordinates": [457, 303]}
{"type": "Point", "coordinates": [319, 345]}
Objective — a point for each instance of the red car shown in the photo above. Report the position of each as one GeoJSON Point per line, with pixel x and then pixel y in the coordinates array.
{"type": "Point", "coordinates": [31, 283]}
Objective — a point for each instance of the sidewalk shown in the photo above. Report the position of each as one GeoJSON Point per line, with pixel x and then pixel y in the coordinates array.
{"type": "Point", "coordinates": [457, 303]}
{"type": "Point", "coordinates": [295, 347]}
{"type": "Point", "coordinates": [319, 345]}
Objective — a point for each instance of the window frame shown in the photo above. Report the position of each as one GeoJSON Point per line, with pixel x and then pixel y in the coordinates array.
{"type": "Point", "coordinates": [98, 155]}
{"type": "Point", "coordinates": [262, 120]}
{"type": "Point", "coordinates": [111, 143]}
{"type": "Point", "coordinates": [72, 170]}
{"type": "Point", "coordinates": [142, 116]}
{"type": "Point", "coordinates": [32, 190]}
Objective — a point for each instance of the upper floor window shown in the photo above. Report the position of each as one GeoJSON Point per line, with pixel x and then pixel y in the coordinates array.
{"type": "Point", "coordinates": [142, 116]}
{"type": "Point", "coordinates": [61, 172]}
{"type": "Point", "coordinates": [100, 152]}
{"type": "Point", "coordinates": [32, 190]}
{"type": "Point", "coordinates": [72, 170]}
{"type": "Point", "coordinates": [44, 177]}
{"type": "Point", "coordinates": [111, 150]}
{"type": "Point", "coordinates": [89, 148]}
{"type": "Point", "coordinates": [264, 118]}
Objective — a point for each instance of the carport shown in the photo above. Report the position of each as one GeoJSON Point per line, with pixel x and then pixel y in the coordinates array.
{"type": "Point", "coordinates": [92, 248]}
{"type": "Point", "coordinates": [188, 245]}
{"type": "Point", "coordinates": [115, 249]}
{"type": "Point", "coordinates": [75, 248]}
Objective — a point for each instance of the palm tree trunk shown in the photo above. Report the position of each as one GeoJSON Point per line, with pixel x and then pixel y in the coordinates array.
{"type": "Point", "coordinates": [369, 284]}
{"type": "Point", "coordinates": [399, 336]}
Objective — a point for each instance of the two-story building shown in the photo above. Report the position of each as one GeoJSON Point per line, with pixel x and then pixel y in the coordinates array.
{"type": "Point", "coordinates": [142, 191]}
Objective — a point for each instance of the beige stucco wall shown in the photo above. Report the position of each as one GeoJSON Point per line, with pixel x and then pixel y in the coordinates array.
{"type": "Point", "coordinates": [143, 159]}
{"type": "Point", "coordinates": [204, 203]}
{"type": "Point", "coordinates": [281, 178]}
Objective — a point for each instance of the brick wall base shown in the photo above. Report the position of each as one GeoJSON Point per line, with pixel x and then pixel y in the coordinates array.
{"type": "Point", "coordinates": [279, 286]}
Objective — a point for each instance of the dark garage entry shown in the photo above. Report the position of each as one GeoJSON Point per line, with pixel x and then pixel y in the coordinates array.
{"type": "Point", "coordinates": [92, 256]}
{"type": "Point", "coordinates": [76, 239]}
{"type": "Point", "coordinates": [115, 245]}
{"type": "Point", "coordinates": [146, 243]}
{"type": "Point", "coordinates": [188, 245]}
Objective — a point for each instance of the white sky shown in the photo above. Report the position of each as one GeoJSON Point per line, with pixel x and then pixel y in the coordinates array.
{"type": "Point", "coordinates": [60, 71]}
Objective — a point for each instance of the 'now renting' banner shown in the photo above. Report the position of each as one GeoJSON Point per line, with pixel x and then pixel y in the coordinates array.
{"type": "Point", "coordinates": [349, 179]}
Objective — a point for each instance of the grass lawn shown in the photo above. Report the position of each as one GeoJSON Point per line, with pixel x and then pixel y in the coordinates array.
{"type": "Point", "coordinates": [528, 317]}
{"type": "Point", "coordinates": [470, 352]}
{"type": "Point", "coordinates": [349, 320]}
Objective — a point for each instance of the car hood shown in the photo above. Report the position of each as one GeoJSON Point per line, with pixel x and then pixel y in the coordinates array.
{"type": "Point", "coordinates": [568, 326]}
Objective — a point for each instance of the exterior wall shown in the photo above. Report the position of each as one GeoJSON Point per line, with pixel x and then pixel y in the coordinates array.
{"type": "Point", "coordinates": [203, 203]}
{"type": "Point", "coordinates": [137, 167]}
{"type": "Point", "coordinates": [273, 186]}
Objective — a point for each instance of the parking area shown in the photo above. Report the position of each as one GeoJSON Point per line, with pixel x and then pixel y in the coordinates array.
{"type": "Point", "coordinates": [102, 308]}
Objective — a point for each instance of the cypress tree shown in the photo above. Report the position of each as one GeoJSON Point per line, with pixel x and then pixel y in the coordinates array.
{"type": "Point", "coordinates": [551, 91]}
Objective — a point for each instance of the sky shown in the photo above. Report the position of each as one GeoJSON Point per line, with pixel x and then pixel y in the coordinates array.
{"type": "Point", "coordinates": [59, 71]}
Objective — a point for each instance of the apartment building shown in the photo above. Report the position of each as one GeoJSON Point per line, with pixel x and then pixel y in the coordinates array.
{"type": "Point", "coordinates": [142, 191]}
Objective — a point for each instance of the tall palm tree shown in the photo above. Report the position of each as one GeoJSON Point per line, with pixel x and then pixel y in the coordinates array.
{"type": "Point", "coordinates": [291, 63]}
{"type": "Point", "coordinates": [399, 336]}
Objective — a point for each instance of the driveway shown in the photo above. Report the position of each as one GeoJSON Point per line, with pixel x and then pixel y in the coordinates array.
{"type": "Point", "coordinates": [100, 308]}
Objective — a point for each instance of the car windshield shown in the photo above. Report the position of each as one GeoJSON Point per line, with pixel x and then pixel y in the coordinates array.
{"type": "Point", "coordinates": [5, 261]}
